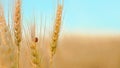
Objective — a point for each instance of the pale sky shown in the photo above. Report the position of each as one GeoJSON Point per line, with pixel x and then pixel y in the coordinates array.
{"type": "Point", "coordinates": [79, 15]}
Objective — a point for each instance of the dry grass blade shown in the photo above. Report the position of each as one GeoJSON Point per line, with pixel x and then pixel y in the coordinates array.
{"type": "Point", "coordinates": [33, 31]}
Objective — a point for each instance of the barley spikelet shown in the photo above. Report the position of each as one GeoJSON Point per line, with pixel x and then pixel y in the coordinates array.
{"type": "Point", "coordinates": [17, 26]}
{"type": "Point", "coordinates": [56, 31]}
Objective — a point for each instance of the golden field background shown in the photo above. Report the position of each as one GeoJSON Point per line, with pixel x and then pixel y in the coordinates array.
{"type": "Point", "coordinates": [77, 51]}
{"type": "Point", "coordinates": [24, 45]}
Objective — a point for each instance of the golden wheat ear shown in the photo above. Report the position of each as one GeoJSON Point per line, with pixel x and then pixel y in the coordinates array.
{"type": "Point", "coordinates": [3, 26]}
{"type": "Point", "coordinates": [6, 41]}
{"type": "Point", "coordinates": [17, 26]}
{"type": "Point", "coordinates": [35, 56]}
{"type": "Point", "coordinates": [17, 22]}
{"type": "Point", "coordinates": [56, 31]}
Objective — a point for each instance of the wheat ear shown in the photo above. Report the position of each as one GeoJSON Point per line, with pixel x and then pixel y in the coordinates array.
{"type": "Point", "coordinates": [5, 36]}
{"type": "Point", "coordinates": [34, 51]}
{"type": "Point", "coordinates": [3, 26]}
{"type": "Point", "coordinates": [17, 26]}
{"type": "Point", "coordinates": [56, 31]}
{"type": "Point", "coordinates": [35, 54]}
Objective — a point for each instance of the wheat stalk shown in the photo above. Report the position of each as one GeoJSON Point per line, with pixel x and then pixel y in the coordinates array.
{"type": "Point", "coordinates": [17, 26]}
{"type": "Point", "coordinates": [56, 31]}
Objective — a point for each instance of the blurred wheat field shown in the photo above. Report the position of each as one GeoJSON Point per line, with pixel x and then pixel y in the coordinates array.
{"type": "Point", "coordinates": [80, 52]}
{"type": "Point", "coordinates": [22, 45]}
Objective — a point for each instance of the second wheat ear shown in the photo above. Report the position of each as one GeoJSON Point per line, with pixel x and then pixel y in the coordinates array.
{"type": "Point", "coordinates": [17, 26]}
{"type": "Point", "coordinates": [3, 26]}
{"type": "Point", "coordinates": [35, 54]}
{"type": "Point", "coordinates": [33, 46]}
{"type": "Point", "coordinates": [56, 31]}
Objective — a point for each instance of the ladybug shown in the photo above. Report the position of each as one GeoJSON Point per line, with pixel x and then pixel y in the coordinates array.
{"type": "Point", "coordinates": [36, 39]}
